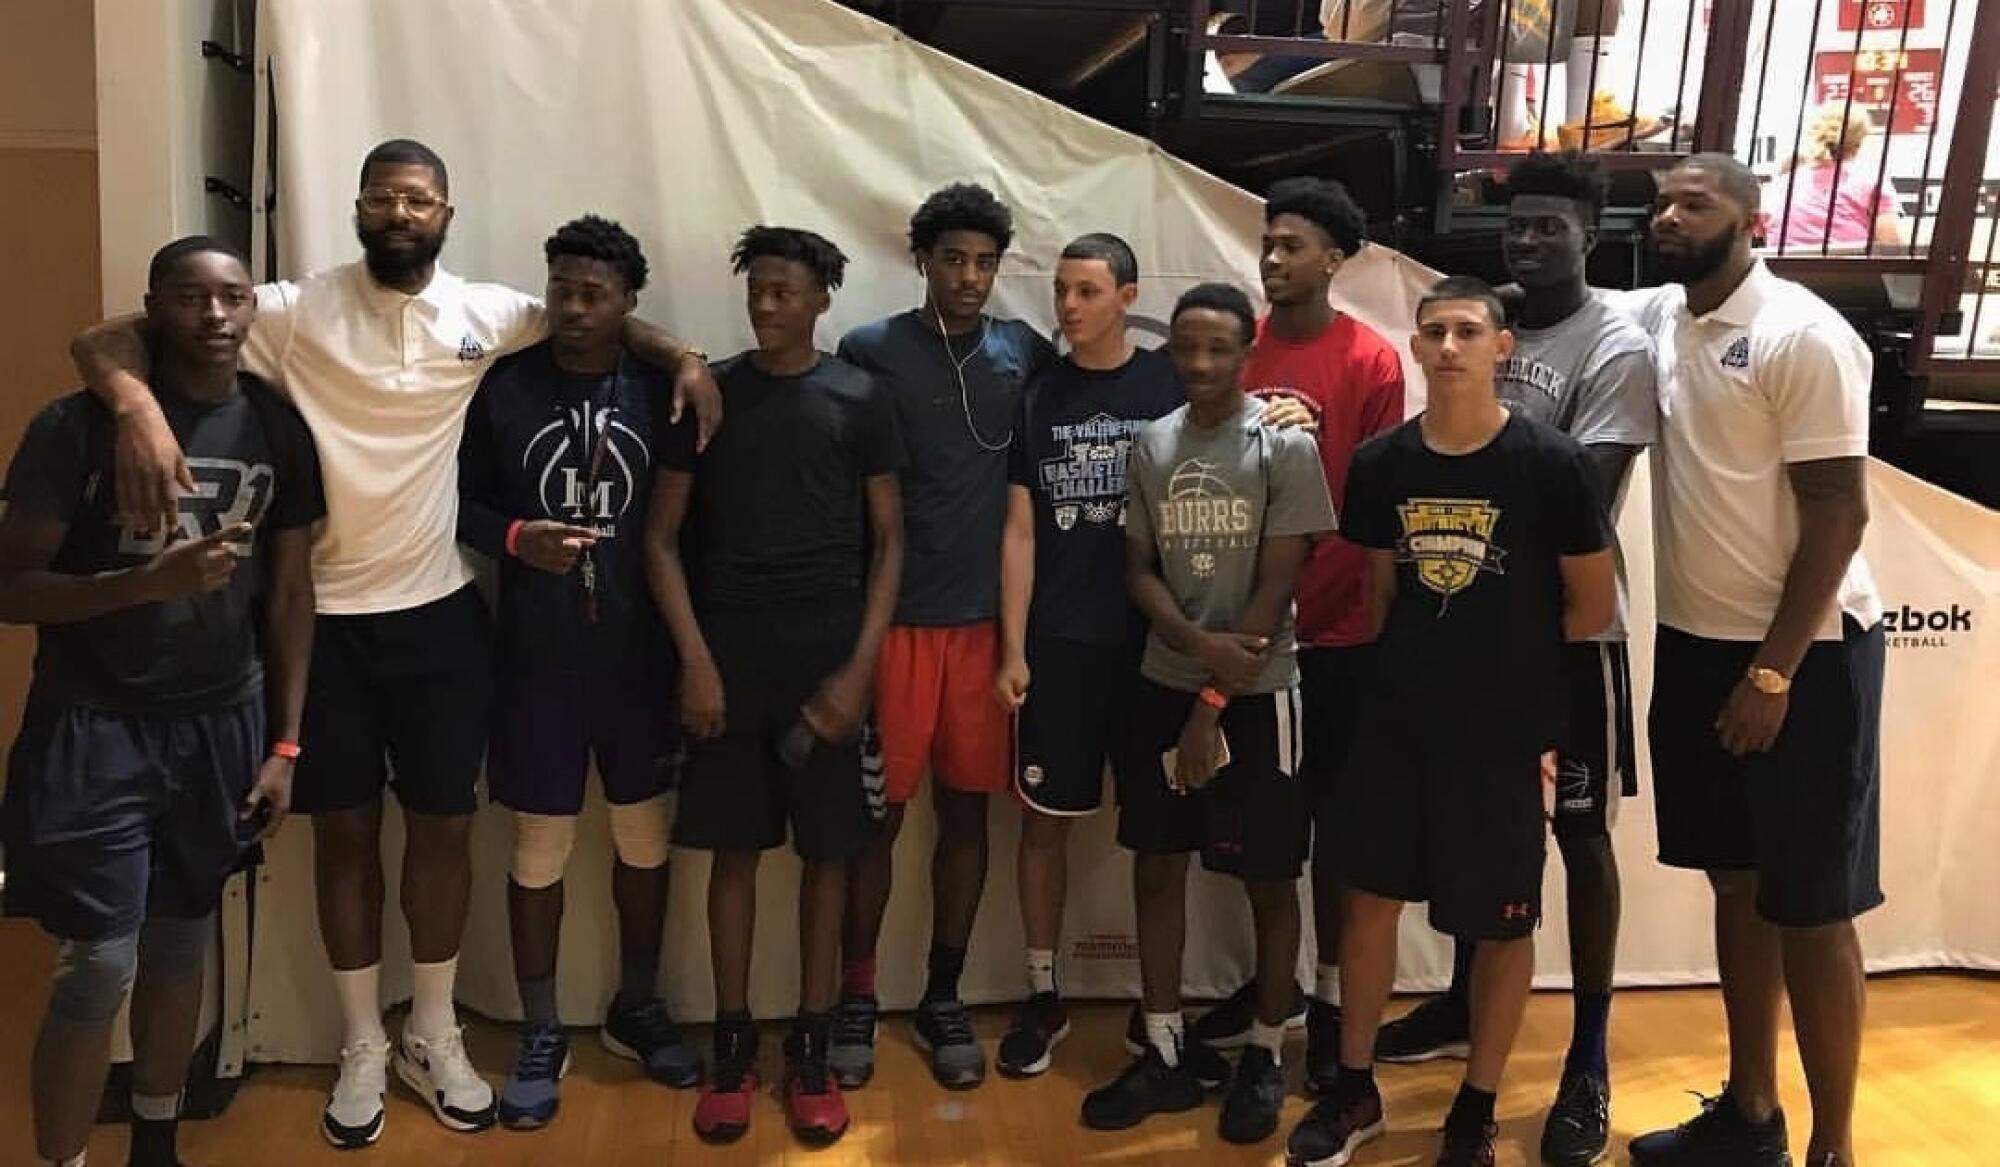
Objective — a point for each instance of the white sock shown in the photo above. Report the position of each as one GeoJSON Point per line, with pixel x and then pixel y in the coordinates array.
{"type": "Point", "coordinates": [432, 1014]}
{"type": "Point", "coordinates": [156, 1107]}
{"type": "Point", "coordinates": [360, 993]}
{"type": "Point", "coordinates": [1041, 970]}
{"type": "Point", "coordinates": [75, 1160]}
{"type": "Point", "coordinates": [1326, 983]}
{"type": "Point", "coordinates": [1270, 1037]}
{"type": "Point", "coordinates": [1582, 51]}
{"type": "Point", "coordinates": [1163, 1033]}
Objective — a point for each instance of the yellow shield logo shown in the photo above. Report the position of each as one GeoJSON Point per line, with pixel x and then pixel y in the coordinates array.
{"type": "Point", "coordinates": [1450, 540]}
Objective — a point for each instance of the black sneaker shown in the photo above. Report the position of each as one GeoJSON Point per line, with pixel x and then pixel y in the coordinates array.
{"type": "Point", "coordinates": [1333, 1129]}
{"type": "Point", "coordinates": [1227, 1026]}
{"type": "Point", "coordinates": [1720, 1134]}
{"type": "Point", "coordinates": [1026, 1047]}
{"type": "Point", "coordinates": [645, 1033]}
{"type": "Point", "coordinates": [1578, 1130]}
{"type": "Point", "coordinates": [1210, 1068]}
{"type": "Point", "coordinates": [1250, 1113]}
{"type": "Point", "coordinates": [1467, 1146]}
{"type": "Point", "coordinates": [1322, 1046]}
{"type": "Point", "coordinates": [944, 1033]}
{"type": "Point", "coordinates": [850, 1052]}
{"type": "Point", "coordinates": [1148, 1086]}
{"type": "Point", "coordinates": [1438, 1028]}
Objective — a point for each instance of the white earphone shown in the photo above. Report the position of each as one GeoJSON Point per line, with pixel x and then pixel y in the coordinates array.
{"type": "Point", "coordinates": [957, 364]}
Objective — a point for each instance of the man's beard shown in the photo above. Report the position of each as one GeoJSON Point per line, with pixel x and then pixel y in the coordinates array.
{"type": "Point", "coordinates": [395, 265]}
{"type": "Point", "coordinates": [1697, 264]}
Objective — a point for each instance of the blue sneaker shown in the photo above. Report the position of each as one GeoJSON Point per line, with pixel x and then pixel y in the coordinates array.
{"type": "Point", "coordinates": [644, 1033]}
{"type": "Point", "coordinates": [529, 1097]}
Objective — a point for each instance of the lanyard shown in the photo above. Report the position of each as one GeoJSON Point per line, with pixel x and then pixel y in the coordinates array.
{"type": "Point", "coordinates": [593, 414]}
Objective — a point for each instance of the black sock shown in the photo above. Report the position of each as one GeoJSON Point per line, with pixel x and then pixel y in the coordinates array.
{"type": "Point", "coordinates": [1472, 1108]}
{"type": "Point", "coordinates": [946, 965]}
{"type": "Point", "coordinates": [1349, 1082]}
{"type": "Point", "coordinates": [1460, 993]}
{"type": "Point", "coordinates": [638, 976]}
{"type": "Point", "coordinates": [734, 1024]}
{"type": "Point", "coordinates": [153, 1143]}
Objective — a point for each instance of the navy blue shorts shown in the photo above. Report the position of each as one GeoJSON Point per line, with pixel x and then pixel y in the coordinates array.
{"type": "Point", "coordinates": [548, 727]}
{"type": "Point", "coordinates": [111, 817]}
{"type": "Point", "coordinates": [1805, 815]}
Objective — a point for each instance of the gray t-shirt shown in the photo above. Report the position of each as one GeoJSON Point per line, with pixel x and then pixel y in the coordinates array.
{"type": "Point", "coordinates": [1206, 498]}
{"type": "Point", "coordinates": [1592, 377]}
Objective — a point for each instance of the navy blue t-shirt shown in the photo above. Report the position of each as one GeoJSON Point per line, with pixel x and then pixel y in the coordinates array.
{"type": "Point", "coordinates": [955, 437]}
{"type": "Point", "coordinates": [531, 450]}
{"type": "Point", "coordinates": [253, 462]}
{"type": "Point", "coordinates": [1071, 440]}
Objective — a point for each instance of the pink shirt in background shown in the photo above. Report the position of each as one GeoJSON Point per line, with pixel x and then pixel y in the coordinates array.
{"type": "Point", "coordinates": [1852, 207]}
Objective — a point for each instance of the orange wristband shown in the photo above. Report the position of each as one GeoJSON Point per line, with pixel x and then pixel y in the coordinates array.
{"type": "Point", "coordinates": [289, 751]}
{"type": "Point", "coordinates": [1213, 697]}
{"type": "Point", "coordinates": [514, 536]}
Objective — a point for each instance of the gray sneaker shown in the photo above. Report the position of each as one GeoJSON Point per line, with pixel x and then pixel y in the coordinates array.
{"type": "Point", "coordinates": [944, 1031]}
{"type": "Point", "coordinates": [850, 1054]}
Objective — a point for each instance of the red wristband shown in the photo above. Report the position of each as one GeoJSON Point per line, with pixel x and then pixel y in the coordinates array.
{"type": "Point", "coordinates": [289, 751]}
{"type": "Point", "coordinates": [514, 535]}
{"type": "Point", "coordinates": [1213, 697]}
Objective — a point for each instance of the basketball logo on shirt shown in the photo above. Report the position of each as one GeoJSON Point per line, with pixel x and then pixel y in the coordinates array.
{"type": "Point", "coordinates": [1450, 540]}
{"type": "Point", "coordinates": [567, 490]}
{"type": "Point", "coordinates": [1201, 515]}
{"type": "Point", "coordinates": [469, 349]}
{"type": "Point", "coordinates": [1087, 480]}
{"type": "Point", "coordinates": [1738, 356]}
{"type": "Point", "coordinates": [225, 492]}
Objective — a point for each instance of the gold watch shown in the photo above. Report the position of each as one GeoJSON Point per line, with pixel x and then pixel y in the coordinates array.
{"type": "Point", "coordinates": [1769, 682]}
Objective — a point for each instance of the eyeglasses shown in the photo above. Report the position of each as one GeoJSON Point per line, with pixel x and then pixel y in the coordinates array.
{"type": "Point", "coordinates": [376, 201]}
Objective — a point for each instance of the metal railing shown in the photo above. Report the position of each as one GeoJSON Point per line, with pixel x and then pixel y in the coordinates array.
{"type": "Point", "coordinates": [1749, 77]}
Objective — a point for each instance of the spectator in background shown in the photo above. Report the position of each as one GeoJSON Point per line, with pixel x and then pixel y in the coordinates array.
{"type": "Point", "coordinates": [1824, 198]}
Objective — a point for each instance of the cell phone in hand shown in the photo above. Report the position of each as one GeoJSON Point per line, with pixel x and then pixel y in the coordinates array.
{"type": "Point", "coordinates": [1170, 759]}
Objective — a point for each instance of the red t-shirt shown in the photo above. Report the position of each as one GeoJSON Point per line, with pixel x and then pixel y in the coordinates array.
{"type": "Point", "coordinates": [1352, 381]}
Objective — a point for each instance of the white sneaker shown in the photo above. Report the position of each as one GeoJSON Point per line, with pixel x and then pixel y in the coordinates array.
{"type": "Point", "coordinates": [442, 1076]}
{"type": "Point", "coordinates": [353, 1116]}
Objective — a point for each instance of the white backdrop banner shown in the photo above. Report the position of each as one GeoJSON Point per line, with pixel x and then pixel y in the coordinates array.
{"type": "Point", "coordinates": [691, 120]}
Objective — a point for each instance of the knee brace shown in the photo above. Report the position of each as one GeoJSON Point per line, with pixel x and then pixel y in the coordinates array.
{"type": "Point", "coordinates": [639, 832]}
{"type": "Point", "coordinates": [542, 844]}
{"type": "Point", "coordinates": [92, 978]}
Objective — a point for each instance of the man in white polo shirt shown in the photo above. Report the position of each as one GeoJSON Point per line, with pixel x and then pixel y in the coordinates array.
{"type": "Point", "coordinates": [1767, 682]}
{"type": "Point", "coordinates": [382, 357]}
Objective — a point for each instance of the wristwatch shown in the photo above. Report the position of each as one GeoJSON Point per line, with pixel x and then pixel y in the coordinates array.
{"type": "Point", "coordinates": [1769, 682]}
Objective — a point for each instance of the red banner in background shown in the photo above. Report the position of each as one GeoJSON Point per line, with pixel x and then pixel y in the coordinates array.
{"type": "Point", "coordinates": [1873, 76]}
{"type": "Point", "coordinates": [1880, 14]}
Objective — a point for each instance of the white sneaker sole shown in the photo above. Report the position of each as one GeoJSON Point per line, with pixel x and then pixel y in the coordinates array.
{"type": "Point", "coordinates": [419, 1082]}
{"type": "Point", "coordinates": [1340, 1157]}
{"type": "Point", "coordinates": [372, 1132]}
{"type": "Point", "coordinates": [1041, 1065]}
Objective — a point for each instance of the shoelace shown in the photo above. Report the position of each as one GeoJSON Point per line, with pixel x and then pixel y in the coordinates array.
{"type": "Point", "coordinates": [449, 1065]}
{"type": "Point", "coordinates": [853, 1024]}
{"type": "Point", "coordinates": [363, 1066]}
{"type": "Point", "coordinates": [808, 1064]}
{"type": "Point", "coordinates": [1571, 1087]}
{"type": "Point", "coordinates": [733, 1055]}
{"type": "Point", "coordinates": [954, 1026]}
{"type": "Point", "coordinates": [541, 1054]}
{"type": "Point", "coordinates": [1036, 1014]}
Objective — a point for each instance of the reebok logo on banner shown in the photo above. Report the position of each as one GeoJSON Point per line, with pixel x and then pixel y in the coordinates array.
{"type": "Point", "coordinates": [1738, 356]}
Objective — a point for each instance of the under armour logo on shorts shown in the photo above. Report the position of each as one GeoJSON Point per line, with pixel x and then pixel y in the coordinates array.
{"type": "Point", "coordinates": [1516, 911]}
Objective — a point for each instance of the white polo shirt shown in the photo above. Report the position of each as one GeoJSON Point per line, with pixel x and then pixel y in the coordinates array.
{"type": "Point", "coordinates": [1772, 376]}
{"type": "Point", "coordinates": [384, 378]}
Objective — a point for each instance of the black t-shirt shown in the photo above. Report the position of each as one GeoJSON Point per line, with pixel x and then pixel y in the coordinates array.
{"type": "Point", "coordinates": [253, 461]}
{"type": "Point", "coordinates": [531, 451]}
{"type": "Point", "coordinates": [1071, 441]}
{"type": "Point", "coordinates": [955, 438]}
{"type": "Point", "coordinates": [1471, 646]}
{"type": "Point", "coordinates": [779, 515]}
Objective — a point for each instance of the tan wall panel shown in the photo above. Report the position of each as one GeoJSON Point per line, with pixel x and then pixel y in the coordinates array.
{"type": "Point", "coordinates": [48, 199]}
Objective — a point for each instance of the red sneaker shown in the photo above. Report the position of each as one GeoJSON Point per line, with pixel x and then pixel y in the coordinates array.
{"type": "Point", "coordinates": [722, 1114]}
{"type": "Point", "coordinates": [814, 1107]}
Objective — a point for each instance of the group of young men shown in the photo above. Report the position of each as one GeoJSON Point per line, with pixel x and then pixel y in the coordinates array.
{"type": "Point", "coordinates": [1293, 625]}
